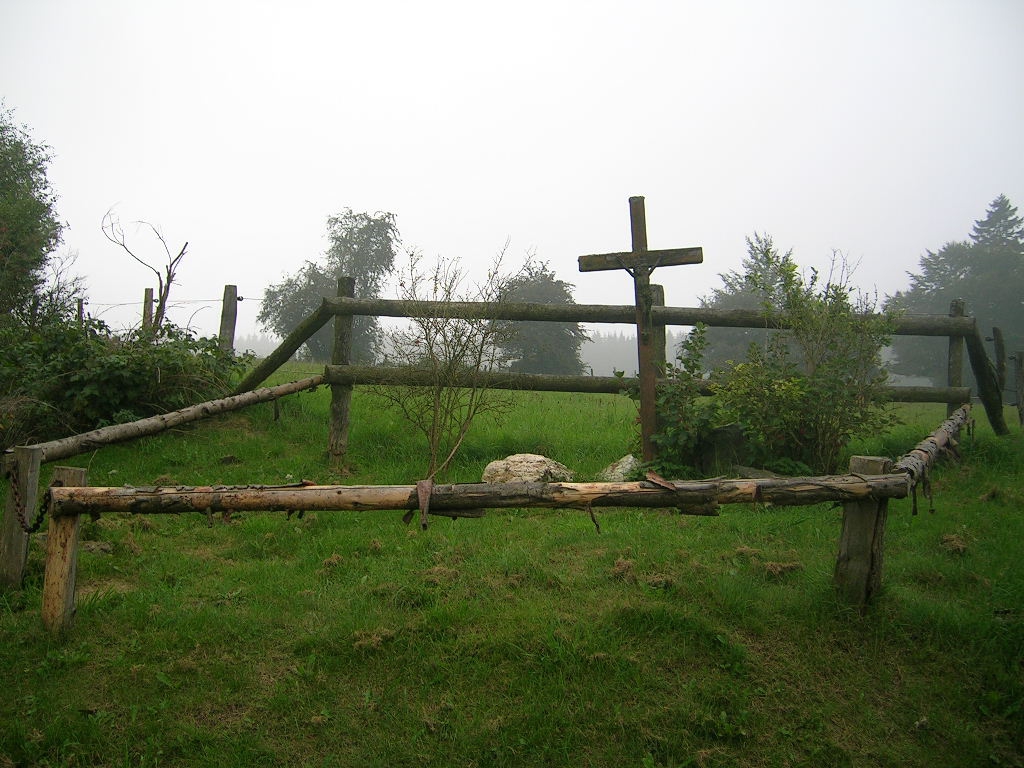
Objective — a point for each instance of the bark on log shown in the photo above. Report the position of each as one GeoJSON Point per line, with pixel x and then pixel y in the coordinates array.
{"type": "Point", "coordinates": [916, 463]}
{"type": "Point", "coordinates": [450, 500]}
{"type": "Point", "coordinates": [907, 325]}
{"type": "Point", "coordinates": [87, 441]}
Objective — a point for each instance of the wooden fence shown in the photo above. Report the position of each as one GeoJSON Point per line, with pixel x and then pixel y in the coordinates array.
{"type": "Point", "coordinates": [961, 330]}
{"type": "Point", "coordinates": [857, 576]}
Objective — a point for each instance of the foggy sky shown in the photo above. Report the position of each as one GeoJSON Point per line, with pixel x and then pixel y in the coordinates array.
{"type": "Point", "coordinates": [878, 129]}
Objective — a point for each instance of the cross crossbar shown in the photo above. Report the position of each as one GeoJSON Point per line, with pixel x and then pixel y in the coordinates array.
{"type": "Point", "coordinates": [668, 257]}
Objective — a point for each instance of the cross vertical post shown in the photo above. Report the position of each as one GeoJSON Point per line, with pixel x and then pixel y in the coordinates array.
{"type": "Point", "coordinates": [644, 342]}
{"type": "Point", "coordinates": [640, 262]}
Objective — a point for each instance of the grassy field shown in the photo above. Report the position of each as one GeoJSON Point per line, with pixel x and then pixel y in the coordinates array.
{"type": "Point", "coordinates": [524, 638]}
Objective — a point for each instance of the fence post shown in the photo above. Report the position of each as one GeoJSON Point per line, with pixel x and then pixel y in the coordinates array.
{"type": "Point", "coordinates": [147, 309]}
{"type": "Point", "coordinates": [658, 341]}
{"type": "Point", "coordinates": [61, 559]}
{"type": "Point", "coordinates": [955, 368]}
{"type": "Point", "coordinates": [228, 316]}
{"type": "Point", "coordinates": [999, 347]}
{"type": "Point", "coordinates": [341, 394]}
{"type": "Point", "coordinates": [858, 573]}
{"type": "Point", "coordinates": [22, 492]}
{"type": "Point", "coordinates": [1018, 379]}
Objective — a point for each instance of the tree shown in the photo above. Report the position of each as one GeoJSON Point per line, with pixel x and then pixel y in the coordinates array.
{"type": "Point", "coordinates": [165, 274]}
{"type": "Point", "coordinates": [362, 246]}
{"type": "Point", "coordinates": [453, 352]}
{"type": "Point", "coordinates": [542, 347]}
{"type": "Point", "coordinates": [759, 285]}
{"type": "Point", "coordinates": [29, 228]}
{"type": "Point", "coordinates": [987, 271]}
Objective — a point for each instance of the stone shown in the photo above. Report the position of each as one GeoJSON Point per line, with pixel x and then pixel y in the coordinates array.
{"type": "Point", "coordinates": [621, 471]}
{"type": "Point", "coordinates": [526, 467]}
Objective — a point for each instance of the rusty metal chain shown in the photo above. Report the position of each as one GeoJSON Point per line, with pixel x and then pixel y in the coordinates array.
{"type": "Point", "coordinates": [19, 502]}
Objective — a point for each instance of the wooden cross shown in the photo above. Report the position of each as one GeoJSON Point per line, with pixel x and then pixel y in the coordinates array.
{"type": "Point", "coordinates": [640, 263]}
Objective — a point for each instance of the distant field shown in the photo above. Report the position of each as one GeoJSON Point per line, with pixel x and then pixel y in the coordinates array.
{"type": "Point", "coordinates": [526, 637]}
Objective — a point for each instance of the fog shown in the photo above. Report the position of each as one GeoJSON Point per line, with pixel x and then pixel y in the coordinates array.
{"type": "Point", "coordinates": [878, 130]}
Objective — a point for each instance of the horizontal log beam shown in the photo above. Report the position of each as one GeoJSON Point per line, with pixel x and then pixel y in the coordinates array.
{"type": "Point", "coordinates": [55, 450]}
{"type": "Point", "coordinates": [907, 325]}
{"type": "Point", "coordinates": [350, 375]}
{"type": "Point", "coordinates": [448, 499]}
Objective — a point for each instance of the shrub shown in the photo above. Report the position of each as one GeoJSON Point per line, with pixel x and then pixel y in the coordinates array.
{"type": "Point", "coordinates": [685, 417]}
{"type": "Point", "coordinates": [800, 396]}
{"type": "Point", "coordinates": [58, 378]}
{"type": "Point", "coordinates": [812, 388]}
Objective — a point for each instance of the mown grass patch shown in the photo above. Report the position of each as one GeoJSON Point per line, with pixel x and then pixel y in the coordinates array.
{"type": "Point", "coordinates": [524, 637]}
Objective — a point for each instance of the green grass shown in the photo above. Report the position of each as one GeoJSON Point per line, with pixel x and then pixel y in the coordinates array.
{"type": "Point", "coordinates": [525, 637]}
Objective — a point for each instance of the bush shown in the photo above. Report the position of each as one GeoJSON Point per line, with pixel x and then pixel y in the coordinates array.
{"type": "Point", "coordinates": [800, 397]}
{"type": "Point", "coordinates": [685, 418]}
{"type": "Point", "coordinates": [809, 390]}
{"type": "Point", "coordinates": [59, 378]}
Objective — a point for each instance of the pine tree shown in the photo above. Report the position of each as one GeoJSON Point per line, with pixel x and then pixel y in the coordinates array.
{"type": "Point", "coordinates": [987, 271]}
{"type": "Point", "coordinates": [1002, 227]}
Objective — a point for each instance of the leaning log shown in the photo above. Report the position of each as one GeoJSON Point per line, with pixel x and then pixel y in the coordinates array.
{"type": "Point", "coordinates": [88, 441]}
{"type": "Point", "coordinates": [915, 464]}
{"type": "Point", "coordinates": [451, 500]}
{"type": "Point", "coordinates": [988, 382]}
{"type": "Point", "coordinates": [288, 347]}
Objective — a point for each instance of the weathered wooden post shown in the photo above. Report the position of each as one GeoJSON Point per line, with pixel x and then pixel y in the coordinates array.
{"type": "Point", "coordinates": [640, 263]}
{"type": "Point", "coordinates": [999, 347]}
{"type": "Point", "coordinates": [858, 572]}
{"type": "Point", "coordinates": [955, 364]}
{"type": "Point", "coordinates": [341, 394]}
{"type": "Point", "coordinates": [1018, 379]}
{"type": "Point", "coordinates": [62, 559]}
{"type": "Point", "coordinates": [22, 470]}
{"type": "Point", "coordinates": [228, 318]}
{"type": "Point", "coordinates": [80, 311]}
{"type": "Point", "coordinates": [658, 335]}
{"type": "Point", "coordinates": [147, 309]}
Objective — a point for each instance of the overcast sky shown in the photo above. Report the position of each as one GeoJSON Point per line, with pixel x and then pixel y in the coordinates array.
{"type": "Point", "coordinates": [879, 129]}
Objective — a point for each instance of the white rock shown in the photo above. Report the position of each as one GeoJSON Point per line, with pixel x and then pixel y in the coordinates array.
{"type": "Point", "coordinates": [526, 467]}
{"type": "Point", "coordinates": [621, 470]}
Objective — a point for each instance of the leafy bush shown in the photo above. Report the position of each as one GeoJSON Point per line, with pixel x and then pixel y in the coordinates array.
{"type": "Point", "coordinates": [800, 397]}
{"type": "Point", "coordinates": [812, 388]}
{"type": "Point", "coordinates": [685, 417]}
{"type": "Point", "coordinates": [59, 378]}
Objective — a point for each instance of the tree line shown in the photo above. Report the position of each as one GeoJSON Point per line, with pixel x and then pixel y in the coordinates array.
{"type": "Point", "coordinates": [60, 372]}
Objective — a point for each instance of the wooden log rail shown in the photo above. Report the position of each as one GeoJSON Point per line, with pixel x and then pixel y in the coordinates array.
{"type": "Point", "coordinates": [378, 375]}
{"type": "Point", "coordinates": [451, 500]}
{"type": "Point", "coordinates": [917, 462]}
{"type": "Point", "coordinates": [907, 325]}
{"type": "Point", "coordinates": [864, 493]}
